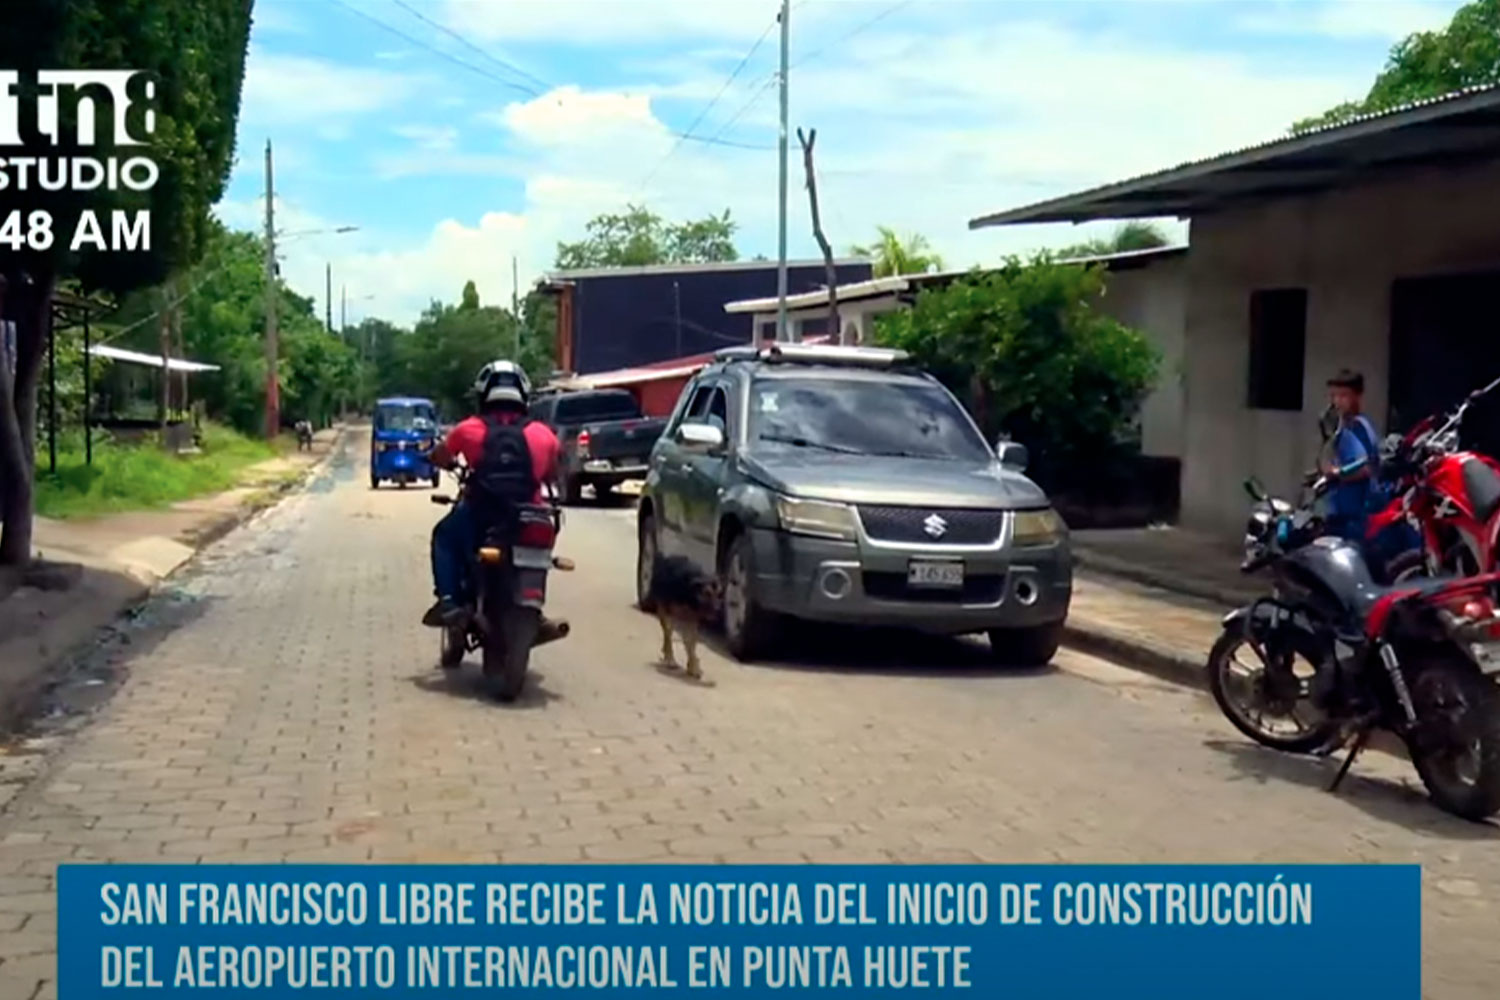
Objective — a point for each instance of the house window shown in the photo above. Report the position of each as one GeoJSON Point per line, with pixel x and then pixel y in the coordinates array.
{"type": "Point", "coordinates": [1278, 348]}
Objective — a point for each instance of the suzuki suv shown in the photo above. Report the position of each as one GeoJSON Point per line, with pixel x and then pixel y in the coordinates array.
{"type": "Point", "coordinates": [842, 484]}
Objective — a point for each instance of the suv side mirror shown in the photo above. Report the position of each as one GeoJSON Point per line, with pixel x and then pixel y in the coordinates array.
{"type": "Point", "coordinates": [700, 437]}
{"type": "Point", "coordinates": [1013, 455]}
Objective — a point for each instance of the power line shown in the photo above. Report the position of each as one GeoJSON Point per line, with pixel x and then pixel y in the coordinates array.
{"type": "Point", "coordinates": [471, 46]}
{"type": "Point", "coordinates": [169, 306]}
{"type": "Point", "coordinates": [754, 98]}
{"type": "Point", "coordinates": [855, 31]}
{"type": "Point", "coordinates": [532, 91]}
{"type": "Point", "coordinates": [691, 129]}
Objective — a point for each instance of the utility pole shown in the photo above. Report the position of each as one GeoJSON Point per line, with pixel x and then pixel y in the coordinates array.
{"type": "Point", "coordinates": [515, 303]}
{"type": "Point", "coordinates": [782, 333]}
{"type": "Point", "coordinates": [328, 292]}
{"type": "Point", "coordinates": [273, 390]}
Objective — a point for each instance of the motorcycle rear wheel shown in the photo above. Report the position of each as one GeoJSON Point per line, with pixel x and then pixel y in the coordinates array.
{"type": "Point", "coordinates": [507, 650]}
{"type": "Point", "coordinates": [1466, 785]}
{"type": "Point", "coordinates": [1220, 662]}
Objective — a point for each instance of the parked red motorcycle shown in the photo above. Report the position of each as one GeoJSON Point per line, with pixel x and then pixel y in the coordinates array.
{"type": "Point", "coordinates": [1452, 496]}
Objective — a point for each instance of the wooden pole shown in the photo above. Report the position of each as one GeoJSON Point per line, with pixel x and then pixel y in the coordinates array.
{"type": "Point", "coordinates": [835, 331]}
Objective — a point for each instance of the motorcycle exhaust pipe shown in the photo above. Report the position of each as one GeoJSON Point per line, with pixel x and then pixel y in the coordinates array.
{"type": "Point", "coordinates": [551, 632]}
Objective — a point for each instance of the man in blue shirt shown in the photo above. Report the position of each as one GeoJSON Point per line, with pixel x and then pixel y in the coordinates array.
{"type": "Point", "coordinates": [1356, 454]}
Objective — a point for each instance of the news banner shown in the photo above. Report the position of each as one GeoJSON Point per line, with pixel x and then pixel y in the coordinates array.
{"type": "Point", "coordinates": [1163, 932]}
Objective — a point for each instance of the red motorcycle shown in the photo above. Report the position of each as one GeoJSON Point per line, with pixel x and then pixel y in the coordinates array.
{"type": "Point", "coordinates": [1451, 495]}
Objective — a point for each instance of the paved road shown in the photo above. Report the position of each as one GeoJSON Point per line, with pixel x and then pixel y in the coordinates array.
{"type": "Point", "coordinates": [281, 704]}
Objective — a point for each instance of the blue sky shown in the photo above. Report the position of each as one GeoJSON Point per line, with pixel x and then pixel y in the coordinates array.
{"type": "Point", "coordinates": [457, 134]}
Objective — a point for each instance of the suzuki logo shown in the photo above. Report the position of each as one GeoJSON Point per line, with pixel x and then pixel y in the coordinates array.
{"type": "Point", "coordinates": [935, 526]}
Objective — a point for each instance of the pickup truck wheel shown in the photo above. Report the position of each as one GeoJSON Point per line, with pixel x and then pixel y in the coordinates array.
{"type": "Point", "coordinates": [748, 628]}
{"type": "Point", "coordinates": [572, 490]}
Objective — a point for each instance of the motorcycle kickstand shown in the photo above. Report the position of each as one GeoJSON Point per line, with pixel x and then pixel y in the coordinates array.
{"type": "Point", "coordinates": [1360, 740]}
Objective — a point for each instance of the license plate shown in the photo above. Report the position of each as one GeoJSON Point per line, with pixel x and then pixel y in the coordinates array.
{"type": "Point", "coordinates": [935, 574]}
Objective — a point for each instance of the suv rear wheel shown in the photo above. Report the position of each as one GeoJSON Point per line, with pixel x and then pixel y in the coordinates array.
{"type": "Point", "coordinates": [645, 559]}
{"type": "Point", "coordinates": [1026, 647]}
{"type": "Point", "coordinates": [748, 628]}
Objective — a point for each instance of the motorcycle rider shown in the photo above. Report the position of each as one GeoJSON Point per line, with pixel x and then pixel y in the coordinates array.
{"type": "Point", "coordinates": [1356, 455]}
{"type": "Point", "coordinates": [500, 428]}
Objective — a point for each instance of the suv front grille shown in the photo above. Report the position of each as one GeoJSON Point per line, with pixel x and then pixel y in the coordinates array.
{"type": "Point", "coordinates": [910, 525]}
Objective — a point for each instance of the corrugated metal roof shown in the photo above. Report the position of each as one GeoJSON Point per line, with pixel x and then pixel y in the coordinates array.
{"type": "Point", "coordinates": [732, 265]}
{"type": "Point", "coordinates": [149, 360]}
{"type": "Point", "coordinates": [1073, 207]}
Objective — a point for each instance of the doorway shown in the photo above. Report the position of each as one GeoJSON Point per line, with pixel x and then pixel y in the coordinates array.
{"type": "Point", "coordinates": [1445, 343]}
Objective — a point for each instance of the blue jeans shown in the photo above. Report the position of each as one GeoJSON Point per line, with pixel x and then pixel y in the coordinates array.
{"type": "Point", "coordinates": [453, 541]}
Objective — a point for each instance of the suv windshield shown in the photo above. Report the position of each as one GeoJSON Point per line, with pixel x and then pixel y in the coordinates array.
{"type": "Point", "coordinates": [597, 406]}
{"type": "Point", "coordinates": [859, 417]}
{"type": "Point", "coordinates": [405, 417]}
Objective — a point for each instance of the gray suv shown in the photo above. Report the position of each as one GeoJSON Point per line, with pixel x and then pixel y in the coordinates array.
{"type": "Point", "coordinates": [841, 484]}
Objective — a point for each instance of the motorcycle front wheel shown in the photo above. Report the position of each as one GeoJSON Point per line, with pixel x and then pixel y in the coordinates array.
{"type": "Point", "coordinates": [507, 649]}
{"type": "Point", "coordinates": [1456, 744]}
{"type": "Point", "coordinates": [1247, 693]}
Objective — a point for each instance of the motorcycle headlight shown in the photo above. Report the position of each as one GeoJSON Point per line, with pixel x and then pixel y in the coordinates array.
{"type": "Point", "coordinates": [818, 518]}
{"type": "Point", "coordinates": [1036, 527]}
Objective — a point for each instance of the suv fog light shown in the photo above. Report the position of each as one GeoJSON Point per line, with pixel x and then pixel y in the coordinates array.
{"type": "Point", "coordinates": [1026, 592]}
{"type": "Point", "coordinates": [836, 584]}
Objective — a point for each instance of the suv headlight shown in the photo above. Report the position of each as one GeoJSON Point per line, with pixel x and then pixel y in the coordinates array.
{"type": "Point", "coordinates": [818, 518]}
{"type": "Point", "coordinates": [1036, 527]}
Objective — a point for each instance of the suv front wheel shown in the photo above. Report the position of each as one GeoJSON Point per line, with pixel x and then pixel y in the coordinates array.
{"type": "Point", "coordinates": [1026, 647]}
{"type": "Point", "coordinates": [748, 628]}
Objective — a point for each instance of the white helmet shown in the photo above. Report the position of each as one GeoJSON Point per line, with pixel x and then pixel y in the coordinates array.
{"type": "Point", "coordinates": [502, 382]}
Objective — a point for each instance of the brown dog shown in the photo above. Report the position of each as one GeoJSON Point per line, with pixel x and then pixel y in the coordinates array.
{"type": "Point", "coordinates": [683, 597]}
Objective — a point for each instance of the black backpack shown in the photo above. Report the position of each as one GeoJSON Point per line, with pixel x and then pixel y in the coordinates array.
{"type": "Point", "coordinates": [504, 478]}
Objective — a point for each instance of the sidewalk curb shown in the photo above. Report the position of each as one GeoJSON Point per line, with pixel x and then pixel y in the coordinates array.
{"type": "Point", "coordinates": [52, 648]}
{"type": "Point", "coordinates": [1131, 652]}
{"type": "Point", "coordinates": [1134, 572]}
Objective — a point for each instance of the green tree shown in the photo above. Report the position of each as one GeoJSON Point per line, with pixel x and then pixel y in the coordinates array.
{"type": "Point", "coordinates": [1030, 354]}
{"type": "Point", "coordinates": [638, 237]}
{"type": "Point", "coordinates": [448, 345]}
{"type": "Point", "coordinates": [1130, 236]}
{"type": "Point", "coordinates": [196, 51]}
{"type": "Point", "coordinates": [470, 298]}
{"type": "Point", "coordinates": [538, 335]}
{"type": "Point", "coordinates": [894, 254]}
{"type": "Point", "coordinates": [1429, 64]}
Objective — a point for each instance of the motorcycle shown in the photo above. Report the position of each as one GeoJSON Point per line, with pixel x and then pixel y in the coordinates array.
{"type": "Point", "coordinates": [1338, 655]}
{"type": "Point", "coordinates": [1452, 495]}
{"type": "Point", "coordinates": [508, 589]}
{"type": "Point", "coordinates": [304, 435]}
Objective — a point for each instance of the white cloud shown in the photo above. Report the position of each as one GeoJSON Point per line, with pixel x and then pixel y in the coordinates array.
{"type": "Point", "coordinates": [918, 131]}
{"type": "Point", "coordinates": [1351, 20]}
{"type": "Point", "coordinates": [288, 89]}
{"type": "Point", "coordinates": [276, 18]}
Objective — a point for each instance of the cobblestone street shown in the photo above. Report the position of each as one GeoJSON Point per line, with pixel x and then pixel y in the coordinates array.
{"type": "Point", "coordinates": [281, 703]}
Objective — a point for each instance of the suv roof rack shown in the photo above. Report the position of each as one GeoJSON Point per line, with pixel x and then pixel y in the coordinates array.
{"type": "Point", "coordinates": [817, 354]}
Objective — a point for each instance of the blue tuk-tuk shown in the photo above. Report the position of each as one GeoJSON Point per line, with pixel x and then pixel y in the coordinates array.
{"type": "Point", "coordinates": [406, 427]}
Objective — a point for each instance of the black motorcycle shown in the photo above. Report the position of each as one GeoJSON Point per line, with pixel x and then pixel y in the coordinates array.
{"type": "Point", "coordinates": [1333, 655]}
{"type": "Point", "coordinates": [508, 589]}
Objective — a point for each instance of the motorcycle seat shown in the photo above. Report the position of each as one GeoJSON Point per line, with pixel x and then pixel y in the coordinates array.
{"type": "Point", "coordinates": [1483, 486]}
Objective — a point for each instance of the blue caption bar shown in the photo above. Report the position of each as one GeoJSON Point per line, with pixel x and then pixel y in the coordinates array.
{"type": "Point", "coordinates": [265, 931]}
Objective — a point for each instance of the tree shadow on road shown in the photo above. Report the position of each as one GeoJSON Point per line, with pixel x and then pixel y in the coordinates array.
{"type": "Point", "coordinates": [893, 652]}
{"type": "Point", "coordinates": [467, 683]}
{"type": "Point", "coordinates": [1400, 802]}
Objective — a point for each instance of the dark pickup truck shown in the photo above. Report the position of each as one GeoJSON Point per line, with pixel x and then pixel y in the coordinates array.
{"type": "Point", "coordinates": [605, 438]}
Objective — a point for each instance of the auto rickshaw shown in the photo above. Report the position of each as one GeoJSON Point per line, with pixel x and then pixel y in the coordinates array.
{"type": "Point", "coordinates": [406, 427]}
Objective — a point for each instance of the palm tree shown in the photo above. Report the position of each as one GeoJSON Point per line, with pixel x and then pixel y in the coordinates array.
{"type": "Point", "coordinates": [894, 255]}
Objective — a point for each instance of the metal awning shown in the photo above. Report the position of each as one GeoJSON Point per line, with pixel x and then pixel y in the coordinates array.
{"type": "Point", "coordinates": [1461, 127]}
{"type": "Point", "coordinates": [149, 360]}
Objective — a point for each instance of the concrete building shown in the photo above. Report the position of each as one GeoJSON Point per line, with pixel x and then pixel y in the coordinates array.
{"type": "Point", "coordinates": [1373, 245]}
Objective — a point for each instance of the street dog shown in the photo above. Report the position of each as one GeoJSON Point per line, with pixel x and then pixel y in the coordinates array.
{"type": "Point", "coordinates": [683, 597]}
